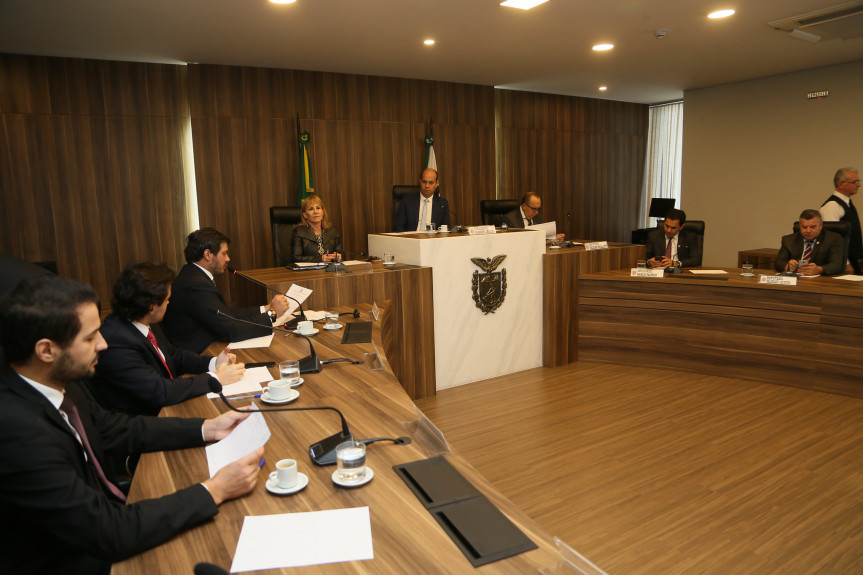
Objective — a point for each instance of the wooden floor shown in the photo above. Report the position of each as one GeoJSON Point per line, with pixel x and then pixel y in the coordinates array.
{"type": "Point", "coordinates": [653, 471]}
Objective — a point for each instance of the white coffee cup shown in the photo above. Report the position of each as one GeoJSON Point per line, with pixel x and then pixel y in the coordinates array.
{"type": "Point", "coordinates": [285, 474]}
{"type": "Point", "coordinates": [279, 389]}
{"type": "Point", "coordinates": [444, 228]}
{"type": "Point", "coordinates": [305, 327]}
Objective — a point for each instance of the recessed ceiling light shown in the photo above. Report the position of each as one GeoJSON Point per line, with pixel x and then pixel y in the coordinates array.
{"type": "Point", "coordinates": [603, 88]}
{"type": "Point", "coordinates": [603, 47]}
{"type": "Point", "coordinates": [283, 1]}
{"type": "Point", "coordinates": [523, 4]}
{"type": "Point", "coordinates": [428, 42]}
{"type": "Point", "coordinates": [720, 14]}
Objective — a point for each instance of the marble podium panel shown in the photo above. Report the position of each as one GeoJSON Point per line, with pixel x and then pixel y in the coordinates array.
{"type": "Point", "coordinates": [471, 345]}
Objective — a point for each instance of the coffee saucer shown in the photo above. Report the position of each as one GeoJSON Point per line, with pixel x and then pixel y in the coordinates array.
{"type": "Point", "coordinates": [292, 395]}
{"type": "Point", "coordinates": [330, 327]}
{"type": "Point", "coordinates": [302, 481]}
{"type": "Point", "coordinates": [313, 332]}
{"type": "Point", "coordinates": [369, 476]}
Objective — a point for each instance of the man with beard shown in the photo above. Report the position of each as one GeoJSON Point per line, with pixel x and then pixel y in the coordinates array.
{"type": "Point", "coordinates": [60, 513]}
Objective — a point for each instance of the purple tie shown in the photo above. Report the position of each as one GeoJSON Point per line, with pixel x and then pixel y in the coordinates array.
{"type": "Point", "coordinates": [807, 251]}
{"type": "Point", "coordinates": [72, 413]}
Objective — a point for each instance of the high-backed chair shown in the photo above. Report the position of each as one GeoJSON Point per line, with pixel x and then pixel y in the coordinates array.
{"type": "Point", "coordinates": [283, 217]}
{"type": "Point", "coordinates": [841, 228]}
{"type": "Point", "coordinates": [400, 191]}
{"type": "Point", "coordinates": [493, 211]}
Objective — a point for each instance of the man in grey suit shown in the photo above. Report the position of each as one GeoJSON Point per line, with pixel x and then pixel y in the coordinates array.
{"type": "Point", "coordinates": [811, 250]}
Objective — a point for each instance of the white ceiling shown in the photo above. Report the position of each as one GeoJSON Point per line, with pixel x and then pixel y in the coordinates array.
{"type": "Point", "coordinates": [546, 49]}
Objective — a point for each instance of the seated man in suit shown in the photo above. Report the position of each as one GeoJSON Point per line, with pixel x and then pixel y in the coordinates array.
{"type": "Point", "coordinates": [527, 214]}
{"type": "Point", "coordinates": [413, 214]}
{"type": "Point", "coordinates": [673, 246]}
{"type": "Point", "coordinates": [192, 320]}
{"type": "Point", "coordinates": [141, 371]}
{"type": "Point", "coordinates": [811, 250]}
{"type": "Point", "coordinates": [60, 513]}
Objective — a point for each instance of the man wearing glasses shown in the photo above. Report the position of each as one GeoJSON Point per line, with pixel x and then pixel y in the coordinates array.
{"type": "Point", "coordinates": [839, 208]}
{"type": "Point", "coordinates": [527, 214]}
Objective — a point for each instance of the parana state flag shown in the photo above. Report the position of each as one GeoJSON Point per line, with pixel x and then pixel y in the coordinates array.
{"type": "Point", "coordinates": [307, 184]}
{"type": "Point", "coordinates": [431, 162]}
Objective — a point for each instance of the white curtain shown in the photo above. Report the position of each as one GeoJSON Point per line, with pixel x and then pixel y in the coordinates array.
{"type": "Point", "coordinates": [664, 157]}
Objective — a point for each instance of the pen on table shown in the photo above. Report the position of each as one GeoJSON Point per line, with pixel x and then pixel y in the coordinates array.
{"type": "Point", "coordinates": [245, 396]}
{"type": "Point", "coordinates": [261, 464]}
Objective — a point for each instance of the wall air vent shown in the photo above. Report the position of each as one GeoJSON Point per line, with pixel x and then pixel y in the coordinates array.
{"type": "Point", "coordinates": [844, 21]}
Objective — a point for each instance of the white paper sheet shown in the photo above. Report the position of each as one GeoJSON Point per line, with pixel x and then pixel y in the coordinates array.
{"type": "Point", "coordinates": [705, 272]}
{"type": "Point", "coordinates": [850, 278]}
{"type": "Point", "coordinates": [249, 435]}
{"type": "Point", "coordinates": [263, 341]}
{"type": "Point", "coordinates": [297, 539]}
{"type": "Point", "coordinates": [251, 383]}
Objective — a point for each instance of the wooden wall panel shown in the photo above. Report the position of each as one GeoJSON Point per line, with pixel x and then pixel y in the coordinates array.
{"type": "Point", "coordinates": [584, 157]}
{"type": "Point", "coordinates": [91, 172]}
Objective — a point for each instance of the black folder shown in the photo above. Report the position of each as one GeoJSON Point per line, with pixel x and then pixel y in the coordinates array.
{"type": "Point", "coordinates": [482, 532]}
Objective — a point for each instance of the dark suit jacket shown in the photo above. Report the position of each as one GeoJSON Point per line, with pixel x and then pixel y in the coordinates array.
{"type": "Point", "coordinates": [304, 245]}
{"type": "Point", "coordinates": [131, 378]}
{"type": "Point", "coordinates": [688, 251]}
{"type": "Point", "coordinates": [55, 517]}
{"type": "Point", "coordinates": [191, 320]}
{"type": "Point", "coordinates": [827, 252]}
{"type": "Point", "coordinates": [407, 214]}
{"type": "Point", "coordinates": [515, 219]}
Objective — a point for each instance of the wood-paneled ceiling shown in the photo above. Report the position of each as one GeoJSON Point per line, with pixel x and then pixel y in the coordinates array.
{"type": "Point", "coordinates": [547, 49]}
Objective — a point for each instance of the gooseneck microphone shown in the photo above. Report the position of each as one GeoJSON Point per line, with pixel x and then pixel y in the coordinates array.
{"type": "Point", "coordinates": [308, 364]}
{"type": "Point", "coordinates": [293, 322]}
{"type": "Point", "coordinates": [324, 451]}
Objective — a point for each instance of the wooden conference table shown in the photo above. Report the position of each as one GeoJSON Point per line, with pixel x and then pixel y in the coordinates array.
{"type": "Point", "coordinates": [406, 537]}
{"type": "Point", "coordinates": [809, 335]}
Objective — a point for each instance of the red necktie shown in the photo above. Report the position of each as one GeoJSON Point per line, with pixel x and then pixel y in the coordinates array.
{"type": "Point", "coordinates": [75, 420]}
{"type": "Point", "coordinates": [152, 339]}
{"type": "Point", "coordinates": [668, 248]}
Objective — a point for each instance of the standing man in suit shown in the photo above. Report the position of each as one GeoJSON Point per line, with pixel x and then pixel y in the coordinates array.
{"type": "Point", "coordinates": [60, 513]}
{"type": "Point", "coordinates": [141, 371]}
{"type": "Point", "coordinates": [673, 246]}
{"type": "Point", "coordinates": [415, 212]}
{"type": "Point", "coordinates": [822, 250]}
{"type": "Point", "coordinates": [527, 214]}
{"type": "Point", "coordinates": [192, 321]}
{"type": "Point", "coordinates": [839, 208]}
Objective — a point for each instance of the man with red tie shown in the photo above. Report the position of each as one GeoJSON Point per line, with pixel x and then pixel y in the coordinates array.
{"type": "Point", "coordinates": [811, 250]}
{"type": "Point", "coordinates": [60, 512]}
{"type": "Point", "coordinates": [141, 371]}
{"type": "Point", "coordinates": [673, 245]}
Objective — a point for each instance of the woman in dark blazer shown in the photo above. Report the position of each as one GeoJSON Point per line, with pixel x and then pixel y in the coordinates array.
{"type": "Point", "coordinates": [315, 240]}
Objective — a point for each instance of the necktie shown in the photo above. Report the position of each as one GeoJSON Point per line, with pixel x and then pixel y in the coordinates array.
{"type": "Point", "coordinates": [529, 222]}
{"type": "Point", "coordinates": [422, 225]}
{"type": "Point", "coordinates": [668, 247]}
{"type": "Point", "coordinates": [807, 251]}
{"type": "Point", "coordinates": [75, 420]}
{"type": "Point", "coordinates": [152, 339]}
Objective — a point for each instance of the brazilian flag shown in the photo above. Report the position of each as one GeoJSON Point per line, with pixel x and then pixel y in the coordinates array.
{"type": "Point", "coordinates": [307, 184]}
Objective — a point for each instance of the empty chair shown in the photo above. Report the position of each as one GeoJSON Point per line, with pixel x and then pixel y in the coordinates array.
{"type": "Point", "coordinates": [493, 212]}
{"type": "Point", "coordinates": [283, 218]}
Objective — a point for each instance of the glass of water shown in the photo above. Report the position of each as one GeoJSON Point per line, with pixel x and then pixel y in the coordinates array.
{"type": "Point", "coordinates": [290, 370]}
{"type": "Point", "coordinates": [351, 459]}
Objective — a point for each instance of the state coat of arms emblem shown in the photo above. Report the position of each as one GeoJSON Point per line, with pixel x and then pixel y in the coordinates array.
{"type": "Point", "coordinates": [489, 288]}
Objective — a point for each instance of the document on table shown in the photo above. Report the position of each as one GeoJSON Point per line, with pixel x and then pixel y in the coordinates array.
{"type": "Point", "coordinates": [298, 539]}
{"type": "Point", "coordinates": [251, 383]}
{"type": "Point", "coordinates": [849, 277]}
{"type": "Point", "coordinates": [708, 272]}
{"type": "Point", "coordinates": [263, 341]}
{"type": "Point", "coordinates": [300, 294]}
{"type": "Point", "coordinates": [249, 435]}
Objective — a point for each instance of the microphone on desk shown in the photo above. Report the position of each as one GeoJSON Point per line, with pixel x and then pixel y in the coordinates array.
{"type": "Point", "coordinates": [308, 364]}
{"type": "Point", "coordinates": [291, 323]}
{"type": "Point", "coordinates": [324, 451]}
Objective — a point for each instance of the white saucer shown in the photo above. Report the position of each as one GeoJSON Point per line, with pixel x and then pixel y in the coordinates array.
{"type": "Point", "coordinates": [389, 264]}
{"type": "Point", "coordinates": [265, 397]}
{"type": "Point", "coordinates": [369, 476]}
{"type": "Point", "coordinates": [302, 481]}
{"type": "Point", "coordinates": [299, 383]}
{"type": "Point", "coordinates": [313, 332]}
{"type": "Point", "coordinates": [329, 327]}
